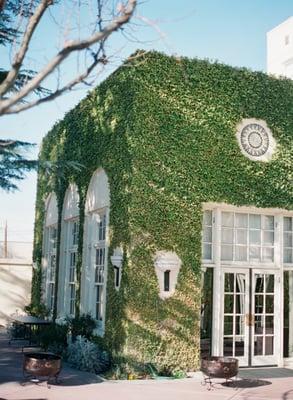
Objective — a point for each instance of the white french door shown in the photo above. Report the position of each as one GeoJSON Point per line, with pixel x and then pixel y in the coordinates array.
{"type": "Point", "coordinates": [235, 308]}
{"type": "Point", "coordinates": [250, 330]}
{"type": "Point", "coordinates": [265, 330]}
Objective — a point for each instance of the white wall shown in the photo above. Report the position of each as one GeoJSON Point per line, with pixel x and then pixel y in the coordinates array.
{"type": "Point", "coordinates": [21, 250]}
{"type": "Point", "coordinates": [280, 49]}
{"type": "Point", "coordinates": [15, 287]}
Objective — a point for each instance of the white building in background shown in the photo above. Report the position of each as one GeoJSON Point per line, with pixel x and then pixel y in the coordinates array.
{"type": "Point", "coordinates": [15, 276]}
{"type": "Point", "coordinates": [280, 49]}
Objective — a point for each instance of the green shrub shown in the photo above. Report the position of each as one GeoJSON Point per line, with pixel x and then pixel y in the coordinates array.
{"type": "Point", "coordinates": [83, 325]}
{"type": "Point", "coordinates": [37, 310]}
{"type": "Point", "coordinates": [54, 338]}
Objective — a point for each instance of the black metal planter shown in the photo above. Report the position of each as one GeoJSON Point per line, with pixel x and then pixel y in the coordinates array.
{"type": "Point", "coordinates": [40, 364]}
{"type": "Point", "coordinates": [218, 367]}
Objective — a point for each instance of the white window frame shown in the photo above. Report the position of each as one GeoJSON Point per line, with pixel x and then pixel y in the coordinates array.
{"type": "Point", "coordinates": [68, 249]}
{"type": "Point", "coordinates": [51, 246]}
{"type": "Point", "coordinates": [288, 264]}
{"type": "Point", "coordinates": [97, 202]}
{"type": "Point", "coordinates": [261, 246]}
{"type": "Point", "coordinates": [219, 265]}
{"type": "Point", "coordinates": [204, 242]}
{"type": "Point", "coordinates": [70, 252]}
{"type": "Point", "coordinates": [278, 214]}
{"type": "Point", "coordinates": [93, 243]}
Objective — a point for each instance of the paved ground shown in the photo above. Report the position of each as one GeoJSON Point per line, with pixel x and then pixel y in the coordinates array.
{"type": "Point", "coordinates": [256, 384]}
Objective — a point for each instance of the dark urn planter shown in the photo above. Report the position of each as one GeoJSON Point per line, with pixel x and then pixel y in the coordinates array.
{"type": "Point", "coordinates": [41, 364]}
{"type": "Point", "coordinates": [218, 367]}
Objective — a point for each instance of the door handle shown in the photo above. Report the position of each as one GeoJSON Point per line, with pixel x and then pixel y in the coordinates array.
{"type": "Point", "coordinates": [249, 319]}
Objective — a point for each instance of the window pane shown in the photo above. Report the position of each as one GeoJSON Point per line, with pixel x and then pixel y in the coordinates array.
{"type": "Point", "coordinates": [270, 283]}
{"type": "Point", "coordinates": [269, 345]}
{"type": "Point", "coordinates": [99, 278]}
{"type": "Point", "coordinates": [239, 346]}
{"type": "Point", "coordinates": [269, 304]}
{"type": "Point", "coordinates": [268, 254]}
{"type": "Point", "coordinates": [241, 253]}
{"type": "Point", "coordinates": [206, 313]}
{"type": "Point", "coordinates": [229, 283]}
{"type": "Point", "coordinates": [207, 251]}
{"type": "Point", "coordinates": [241, 220]}
{"type": "Point", "coordinates": [259, 283]}
{"type": "Point", "coordinates": [258, 324]}
{"type": "Point", "coordinates": [207, 234]}
{"type": "Point", "coordinates": [269, 325]}
{"type": "Point", "coordinates": [228, 347]}
{"type": "Point", "coordinates": [254, 237]}
{"type": "Point", "coordinates": [227, 253]}
{"type": "Point", "coordinates": [240, 303]}
{"type": "Point", "coordinates": [207, 218]}
{"type": "Point", "coordinates": [287, 239]}
{"type": "Point", "coordinates": [254, 253]}
{"type": "Point", "coordinates": [258, 306]}
{"type": "Point", "coordinates": [268, 237]}
{"type": "Point", "coordinates": [227, 236]}
{"type": "Point", "coordinates": [240, 327]}
{"type": "Point", "coordinates": [287, 224]}
{"type": "Point", "coordinates": [227, 219]}
{"type": "Point", "coordinates": [288, 257]}
{"type": "Point", "coordinates": [254, 221]}
{"type": "Point", "coordinates": [258, 346]}
{"type": "Point", "coordinates": [229, 304]}
{"type": "Point", "coordinates": [228, 325]}
{"type": "Point", "coordinates": [241, 236]}
{"type": "Point", "coordinates": [268, 222]}
{"type": "Point", "coordinates": [240, 283]}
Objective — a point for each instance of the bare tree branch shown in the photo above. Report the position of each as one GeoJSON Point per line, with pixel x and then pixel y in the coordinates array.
{"type": "Point", "coordinates": [19, 57]}
{"type": "Point", "coordinates": [10, 105]}
{"type": "Point", "coordinates": [80, 78]}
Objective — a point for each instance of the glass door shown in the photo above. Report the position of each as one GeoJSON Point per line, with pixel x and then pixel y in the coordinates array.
{"type": "Point", "coordinates": [263, 326]}
{"type": "Point", "coordinates": [249, 329]}
{"type": "Point", "coordinates": [235, 310]}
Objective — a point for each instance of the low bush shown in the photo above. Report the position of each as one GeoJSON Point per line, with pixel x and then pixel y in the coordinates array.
{"type": "Point", "coordinates": [54, 338]}
{"type": "Point", "coordinates": [86, 356]}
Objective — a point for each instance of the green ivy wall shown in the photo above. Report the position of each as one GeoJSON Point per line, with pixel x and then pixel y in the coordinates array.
{"type": "Point", "coordinates": [163, 128]}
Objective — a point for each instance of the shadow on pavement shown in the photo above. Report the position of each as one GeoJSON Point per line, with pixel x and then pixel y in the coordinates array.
{"type": "Point", "coordinates": [246, 383]}
{"type": "Point", "coordinates": [288, 395]}
{"type": "Point", "coordinates": [11, 361]}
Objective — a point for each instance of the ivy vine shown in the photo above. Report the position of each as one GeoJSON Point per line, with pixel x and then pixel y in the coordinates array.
{"type": "Point", "coordinates": [164, 131]}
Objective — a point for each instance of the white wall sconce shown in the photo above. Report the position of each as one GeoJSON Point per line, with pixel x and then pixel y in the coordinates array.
{"type": "Point", "coordinates": [167, 266]}
{"type": "Point", "coordinates": [116, 260]}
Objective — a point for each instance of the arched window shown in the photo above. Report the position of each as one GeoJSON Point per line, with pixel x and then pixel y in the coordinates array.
{"type": "Point", "coordinates": [69, 244]}
{"type": "Point", "coordinates": [50, 245]}
{"type": "Point", "coordinates": [96, 246]}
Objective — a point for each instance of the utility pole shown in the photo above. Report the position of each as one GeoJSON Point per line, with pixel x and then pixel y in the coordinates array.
{"type": "Point", "coordinates": [5, 241]}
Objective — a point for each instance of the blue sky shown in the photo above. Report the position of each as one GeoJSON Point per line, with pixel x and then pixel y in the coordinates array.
{"type": "Point", "coordinates": [233, 32]}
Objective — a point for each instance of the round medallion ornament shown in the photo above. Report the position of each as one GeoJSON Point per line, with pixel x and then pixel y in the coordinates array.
{"type": "Point", "coordinates": [255, 140]}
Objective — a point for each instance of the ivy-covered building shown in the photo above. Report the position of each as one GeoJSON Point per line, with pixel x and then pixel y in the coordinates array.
{"type": "Point", "coordinates": [176, 232]}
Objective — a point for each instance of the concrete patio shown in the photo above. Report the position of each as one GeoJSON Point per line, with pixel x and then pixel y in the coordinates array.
{"type": "Point", "coordinates": [262, 383]}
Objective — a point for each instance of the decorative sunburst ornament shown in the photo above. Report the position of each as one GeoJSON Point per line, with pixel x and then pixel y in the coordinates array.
{"type": "Point", "coordinates": [255, 139]}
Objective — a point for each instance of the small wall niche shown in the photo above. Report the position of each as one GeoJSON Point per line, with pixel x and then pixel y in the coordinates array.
{"type": "Point", "coordinates": [116, 260]}
{"type": "Point", "coordinates": [167, 265]}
